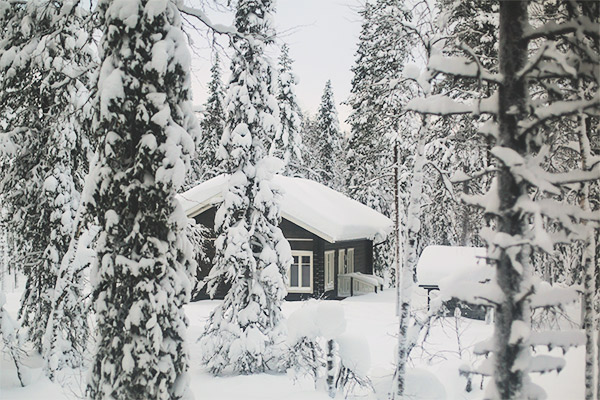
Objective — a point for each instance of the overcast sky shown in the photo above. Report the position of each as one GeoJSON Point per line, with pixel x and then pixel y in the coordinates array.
{"type": "Point", "coordinates": [322, 36]}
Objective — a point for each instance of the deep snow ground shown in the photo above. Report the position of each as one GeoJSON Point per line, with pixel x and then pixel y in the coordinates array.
{"type": "Point", "coordinates": [432, 373]}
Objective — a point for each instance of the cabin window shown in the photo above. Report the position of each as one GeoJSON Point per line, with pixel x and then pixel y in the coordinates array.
{"type": "Point", "coordinates": [329, 269]}
{"type": "Point", "coordinates": [300, 276]}
{"type": "Point", "coordinates": [350, 261]}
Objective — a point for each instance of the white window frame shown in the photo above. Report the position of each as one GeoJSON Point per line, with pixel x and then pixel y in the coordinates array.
{"type": "Point", "coordinates": [350, 260]}
{"type": "Point", "coordinates": [300, 289]}
{"type": "Point", "coordinates": [341, 261]}
{"type": "Point", "coordinates": [329, 270]}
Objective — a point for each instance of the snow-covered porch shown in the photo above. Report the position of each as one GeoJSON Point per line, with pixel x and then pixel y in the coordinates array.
{"type": "Point", "coordinates": [357, 283]}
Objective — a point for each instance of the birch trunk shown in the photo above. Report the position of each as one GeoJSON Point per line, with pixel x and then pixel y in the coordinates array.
{"type": "Point", "coordinates": [330, 368]}
{"type": "Point", "coordinates": [510, 374]}
{"type": "Point", "coordinates": [397, 227]}
{"type": "Point", "coordinates": [409, 264]}
{"type": "Point", "coordinates": [589, 266]}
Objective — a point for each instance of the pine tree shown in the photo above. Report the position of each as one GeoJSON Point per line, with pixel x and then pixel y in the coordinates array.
{"type": "Point", "coordinates": [328, 142]}
{"type": "Point", "coordinates": [310, 143]}
{"type": "Point", "coordinates": [142, 274]}
{"type": "Point", "coordinates": [244, 333]}
{"type": "Point", "coordinates": [206, 165]}
{"type": "Point", "coordinates": [45, 62]}
{"type": "Point", "coordinates": [288, 143]}
{"type": "Point", "coordinates": [376, 98]}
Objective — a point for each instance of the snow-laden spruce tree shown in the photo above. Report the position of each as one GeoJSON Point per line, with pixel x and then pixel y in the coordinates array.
{"type": "Point", "coordinates": [142, 275]}
{"type": "Point", "coordinates": [460, 148]}
{"type": "Point", "coordinates": [244, 333]}
{"type": "Point", "coordinates": [206, 164]}
{"type": "Point", "coordinates": [288, 144]}
{"type": "Point", "coordinates": [326, 143]}
{"type": "Point", "coordinates": [45, 59]}
{"type": "Point", "coordinates": [528, 205]}
{"type": "Point", "coordinates": [376, 100]}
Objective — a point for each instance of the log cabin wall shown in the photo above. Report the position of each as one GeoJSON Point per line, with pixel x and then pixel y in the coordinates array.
{"type": "Point", "coordinates": [300, 239]}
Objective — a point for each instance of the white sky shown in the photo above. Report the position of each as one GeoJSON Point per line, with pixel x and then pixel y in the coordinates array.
{"type": "Point", "coordinates": [322, 36]}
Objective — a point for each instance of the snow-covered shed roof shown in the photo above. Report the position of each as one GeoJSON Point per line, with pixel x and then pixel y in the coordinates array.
{"type": "Point", "coordinates": [308, 204]}
{"type": "Point", "coordinates": [440, 262]}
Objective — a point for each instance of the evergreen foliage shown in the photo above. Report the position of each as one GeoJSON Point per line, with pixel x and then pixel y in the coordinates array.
{"type": "Point", "coordinates": [376, 100]}
{"type": "Point", "coordinates": [142, 274]}
{"type": "Point", "coordinates": [327, 142]}
{"type": "Point", "coordinates": [244, 333]}
{"type": "Point", "coordinates": [288, 144]}
{"type": "Point", "coordinates": [45, 63]}
{"type": "Point", "coordinates": [206, 164]}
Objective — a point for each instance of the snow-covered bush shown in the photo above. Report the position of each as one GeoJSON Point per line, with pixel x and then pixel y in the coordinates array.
{"type": "Point", "coordinates": [305, 355]}
{"type": "Point", "coordinates": [345, 362]}
{"type": "Point", "coordinates": [355, 361]}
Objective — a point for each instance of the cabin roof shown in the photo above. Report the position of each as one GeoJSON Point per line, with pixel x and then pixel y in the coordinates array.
{"type": "Point", "coordinates": [308, 204]}
{"type": "Point", "coordinates": [440, 262]}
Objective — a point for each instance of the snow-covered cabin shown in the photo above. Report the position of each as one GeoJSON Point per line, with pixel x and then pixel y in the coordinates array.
{"type": "Point", "coordinates": [454, 269]}
{"type": "Point", "coordinates": [331, 235]}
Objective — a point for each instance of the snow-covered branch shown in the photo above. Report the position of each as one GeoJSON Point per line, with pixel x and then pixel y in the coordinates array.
{"type": "Point", "coordinates": [443, 106]}
{"type": "Point", "coordinates": [558, 109]}
{"type": "Point", "coordinates": [202, 17]}
{"type": "Point", "coordinates": [461, 67]}
{"type": "Point", "coordinates": [461, 177]}
{"type": "Point", "coordinates": [552, 29]}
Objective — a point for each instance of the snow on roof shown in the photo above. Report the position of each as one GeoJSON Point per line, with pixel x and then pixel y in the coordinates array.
{"type": "Point", "coordinates": [308, 204]}
{"type": "Point", "coordinates": [439, 262]}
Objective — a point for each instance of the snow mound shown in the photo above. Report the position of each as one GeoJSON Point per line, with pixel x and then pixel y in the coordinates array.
{"type": "Point", "coordinates": [423, 385]}
{"type": "Point", "coordinates": [355, 353]}
{"type": "Point", "coordinates": [440, 262]}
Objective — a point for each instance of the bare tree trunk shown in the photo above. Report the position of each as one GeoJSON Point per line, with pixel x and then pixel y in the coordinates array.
{"type": "Point", "coordinates": [409, 263]}
{"type": "Point", "coordinates": [512, 263]}
{"type": "Point", "coordinates": [465, 223]}
{"type": "Point", "coordinates": [397, 206]}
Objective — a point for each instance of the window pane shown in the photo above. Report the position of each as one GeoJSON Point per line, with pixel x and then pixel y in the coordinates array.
{"type": "Point", "coordinates": [294, 275]}
{"type": "Point", "coordinates": [305, 275]}
{"type": "Point", "coordinates": [305, 259]}
{"type": "Point", "coordinates": [295, 259]}
{"type": "Point", "coordinates": [350, 261]}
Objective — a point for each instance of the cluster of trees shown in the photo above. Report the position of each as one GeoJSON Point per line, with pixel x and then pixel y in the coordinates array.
{"type": "Point", "coordinates": [495, 141]}
{"type": "Point", "coordinates": [508, 114]}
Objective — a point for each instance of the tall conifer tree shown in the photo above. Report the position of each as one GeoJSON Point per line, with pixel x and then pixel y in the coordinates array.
{"type": "Point", "coordinates": [327, 141]}
{"type": "Point", "coordinates": [288, 145]}
{"type": "Point", "coordinates": [45, 59]}
{"type": "Point", "coordinates": [243, 334]}
{"type": "Point", "coordinates": [142, 274]}
{"type": "Point", "coordinates": [206, 164]}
